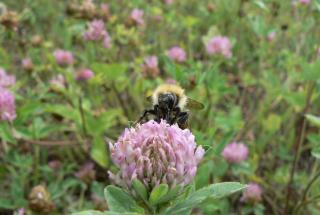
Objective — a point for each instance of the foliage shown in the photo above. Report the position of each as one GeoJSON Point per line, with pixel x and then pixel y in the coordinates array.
{"type": "Point", "coordinates": [265, 95]}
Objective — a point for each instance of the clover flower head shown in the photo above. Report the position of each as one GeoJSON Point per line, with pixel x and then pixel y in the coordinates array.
{"type": "Point", "coordinates": [21, 211]}
{"type": "Point", "coordinates": [150, 66]}
{"type": "Point", "coordinates": [305, 2]}
{"type": "Point", "coordinates": [137, 16]}
{"type": "Point", "coordinates": [177, 54]}
{"type": "Point", "coordinates": [63, 57]}
{"type": "Point", "coordinates": [219, 45]}
{"type": "Point", "coordinates": [7, 105]}
{"type": "Point", "coordinates": [168, 2]}
{"type": "Point", "coordinates": [58, 82]}
{"type": "Point", "coordinates": [27, 64]}
{"type": "Point", "coordinates": [107, 41]}
{"type": "Point", "coordinates": [235, 152]}
{"type": "Point", "coordinates": [253, 193]}
{"type": "Point", "coordinates": [6, 80]}
{"type": "Point", "coordinates": [271, 36]}
{"type": "Point", "coordinates": [96, 31]}
{"type": "Point", "coordinates": [155, 153]}
{"type": "Point", "coordinates": [84, 75]}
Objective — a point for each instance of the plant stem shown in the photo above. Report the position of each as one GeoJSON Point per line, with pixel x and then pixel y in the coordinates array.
{"type": "Point", "coordinates": [305, 203]}
{"type": "Point", "coordinates": [299, 140]}
{"type": "Point", "coordinates": [304, 195]}
{"type": "Point", "coordinates": [83, 120]}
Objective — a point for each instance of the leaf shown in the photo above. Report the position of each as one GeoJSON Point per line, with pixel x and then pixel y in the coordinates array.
{"type": "Point", "coordinates": [157, 193]}
{"type": "Point", "coordinates": [120, 201]}
{"type": "Point", "coordinates": [109, 71]}
{"type": "Point", "coordinates": [140, 189]}
{"type": "Point", "coordinates": [215, 191]}
{"type": "Point", "coordinates": [90, 212]}
{"type": "Point", "coordinates": [272, 123]}
{"type": "Point", "coordinates": [93, 212]}
{"type": "Point", "coordinates": [316, 152]}
{"type": "Point", "coordinates": [99, 151]}
{"type": "Point", "coordinates": [64, 111]}
{"type": "Point", "coordinates": [173, 193]}
{"type": "Point", "coordinates": [315, 120]}
{"type": "Point", "coordinates": [6, 133]}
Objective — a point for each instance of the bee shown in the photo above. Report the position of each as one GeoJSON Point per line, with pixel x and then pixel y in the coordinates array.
{"type": "Point", "coordinates": [170, 103]}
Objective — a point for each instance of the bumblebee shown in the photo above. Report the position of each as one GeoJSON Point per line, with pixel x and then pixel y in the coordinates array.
{"type": "Point", "coordinates": [170, 103]}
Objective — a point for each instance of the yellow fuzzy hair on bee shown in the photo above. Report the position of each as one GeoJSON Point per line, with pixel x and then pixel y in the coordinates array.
{"type": "Point", "coordinates": [170, 88]}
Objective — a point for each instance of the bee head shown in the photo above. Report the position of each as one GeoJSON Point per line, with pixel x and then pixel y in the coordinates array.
{"type": "Point", "coordinates": [167, 100]}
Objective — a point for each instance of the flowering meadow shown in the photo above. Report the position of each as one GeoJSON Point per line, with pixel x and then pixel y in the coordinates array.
{"type": "Point", "coordinates": [76, 75]}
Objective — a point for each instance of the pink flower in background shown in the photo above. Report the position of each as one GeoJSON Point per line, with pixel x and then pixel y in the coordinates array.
{"type": "Point", "coordinates": [58, 81]}
{"type": "Point", "coordinates": [27, 64]}
{"type": "Point", "coordinates": [151, 61]}
{"type": "Point", "coordinates": [137, 16]}
{"type": "Point", "coordinates": [171, 81]}
{"type": "Point", "coordinates": [86, 173]}
{"type": "Point", "coordinates": [107, 41]}
{"type": "Point", "coordinates": [54, 164]}
{"type": "Point", "coordinates": [155, 153]}
{"type": "Point", "coordinates": [305, 2]}
{"type": "Point", "coordinates": [96, 31]}
{"type": "Point", "coordinates": [177, 54]}
{"type": "Point", "coordinates": [168, 2]}
{"type": "Point", "coordinates": [105, 10]}
{"type": "Point", "coordinates": [150, 66]}
{"type": "Point", "coordinates": [6, 80]}
{"type": "Point", "coordinates": [253, 193]}
{"type": "Point", "coordinates": [235, 152]}
{"type": "Point", "coordinates": [7, 105]}
{"type": "Point", "coordinates": [21, 211]}
{"type": "Point", "coordinates": [219, 45]}
{"type": "Point", "coordinates": [63, 58]}
{"type": "Point", "coordinates": [84, 75]}
{"type": "Point", "coordinates": [271, 36]}
{"type": "Point", "coordinates": [318, 52]}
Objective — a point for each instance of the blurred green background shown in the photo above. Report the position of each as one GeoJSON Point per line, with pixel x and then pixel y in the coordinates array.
{"type": "Point", "coordinates": [260, 96]}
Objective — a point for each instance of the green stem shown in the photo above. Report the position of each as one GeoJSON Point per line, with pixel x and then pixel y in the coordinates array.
{"type": "Point", "coordinates": [298, 143]}
{"type": "Point", "coordinates": [305, 203]}
{"type": "Point", "coordinates": [83, 120]}
{"type": "Point", "coordinates": [304, 195]}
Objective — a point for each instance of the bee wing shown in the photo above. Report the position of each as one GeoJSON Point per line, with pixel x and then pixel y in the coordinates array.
{"type": "Point", "coordinates": [193, 104]}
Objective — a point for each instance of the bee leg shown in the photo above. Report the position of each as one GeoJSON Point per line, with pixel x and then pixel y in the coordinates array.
{"type": "Point", "coordinates": [176, 112]}
{"type": "Point", "coordinates": [182, 119]}
{"type": "Point", "coordinates": [168, 116]}
{"type": "Point", "coordinates": [145, 114]}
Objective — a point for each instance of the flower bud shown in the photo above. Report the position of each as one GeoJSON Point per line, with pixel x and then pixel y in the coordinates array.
{"type": "Point", "coordinates": [177, 54]}
{"type": "Point", "coordinates": [40, 200]}
{"type": "Point", "coordinates": [36, 40]}
{"type": "Point", "coordinates": [6, 80]}
{"type": "Point", "coordinates": [63, 58]}
{"type": "Point", "coordinates": [235, 153]}
{"type": "Point", "coordinates": [7, 105]}
{"type": "Point", "coordinates": [104, 11]}
{"type": "Point", "coordinates": [27, 64]}
{"type": "Point", "coordinates": [252, 194]}
{"type": "Point", "coordinates": [136, 17]}
{"type": "Point", "coordinates": [150, 67]}
{"type": "Point", "coordinates": [86, 173]}
{"type": "Point", "coordinates": [219, 45]}
{"type": "Point", "coordinates": [84, 75]}
{"type": "Point", "coordinates": [10, 20]}
{"type": "Point", "coordinates": [58, 82]}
